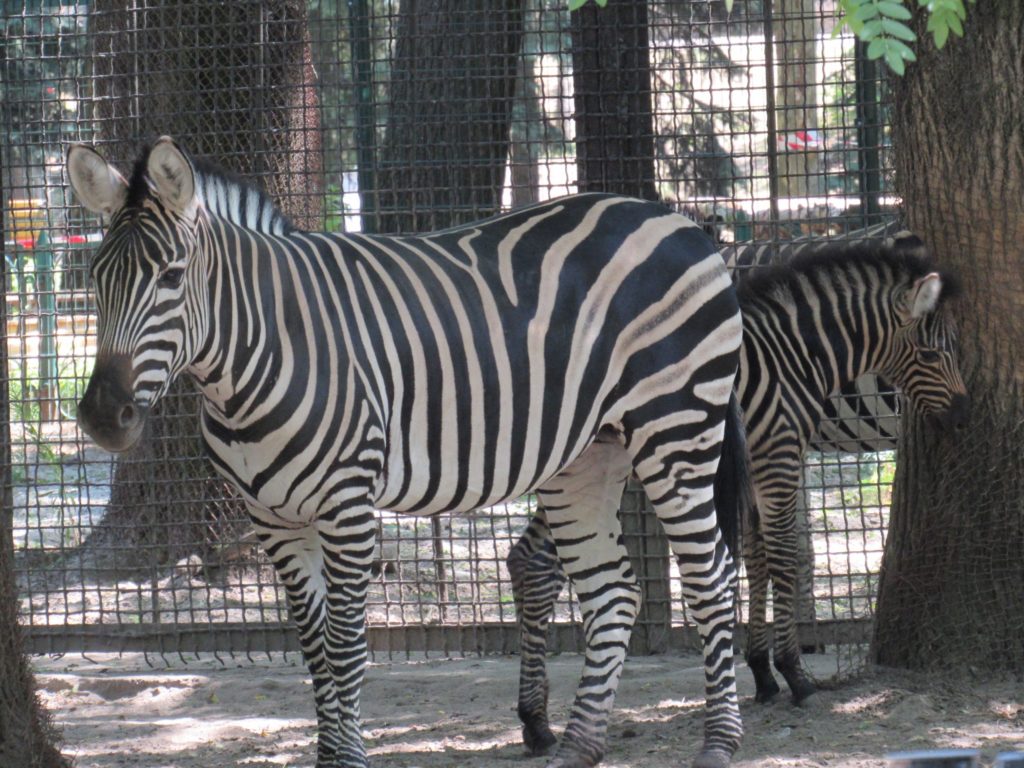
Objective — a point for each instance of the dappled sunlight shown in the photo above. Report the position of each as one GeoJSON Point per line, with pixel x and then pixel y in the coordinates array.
{"type": "Point", "coordinates": [871, 702]}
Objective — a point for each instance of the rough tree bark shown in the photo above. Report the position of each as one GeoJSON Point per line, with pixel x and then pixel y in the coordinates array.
{"type": "Point", "coordinates": [796, 95]}
{"type": "Point", "coordinates": [952, 587]}
{"type": "Point", "coordinates": [242, 92]}
{"type": "Point", "coordinates": [26, 737]}
{"type": "Point", "coordinates": [450, 109]}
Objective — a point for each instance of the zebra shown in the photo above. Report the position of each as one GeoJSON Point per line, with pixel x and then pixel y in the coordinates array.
{"type": "Point", "coordinates": [555, 348]}
{"type": "Point", "coordinates": [863, 417]}
{"type": "Point", "coordinates": [811, 327]}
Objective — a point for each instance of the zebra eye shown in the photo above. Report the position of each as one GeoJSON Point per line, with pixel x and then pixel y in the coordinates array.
{"type": "Point", "coordinates": [171, 277]}
{"type": "Point", "coordinates": [929, 355]}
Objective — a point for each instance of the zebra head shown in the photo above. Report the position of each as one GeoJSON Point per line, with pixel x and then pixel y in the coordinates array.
{"type": "Point", "coordinates": [924, 358]}
{"type": "Point", "coordinates": [148, 278]}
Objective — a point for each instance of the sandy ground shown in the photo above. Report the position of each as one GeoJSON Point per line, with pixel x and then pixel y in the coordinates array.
{"type": "Point", "coordinates": [122, 712]}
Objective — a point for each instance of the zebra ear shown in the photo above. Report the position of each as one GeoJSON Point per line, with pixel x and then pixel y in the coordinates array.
{"type": "Point", "coordinates": [97, 185]}
{"type": "Point", "coordinates": [924, 295]}
{"type": "Point", "coordinates": [172, 176]}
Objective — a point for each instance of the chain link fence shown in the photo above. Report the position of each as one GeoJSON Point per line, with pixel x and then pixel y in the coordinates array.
{"type": "Point", "coordinates": [363, 116]}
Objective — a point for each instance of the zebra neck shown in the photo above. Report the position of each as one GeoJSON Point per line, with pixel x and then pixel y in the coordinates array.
{"type": "Point", "coordinates": [825, 342]}
{"type": "Point", "coordinates": [246, 333]}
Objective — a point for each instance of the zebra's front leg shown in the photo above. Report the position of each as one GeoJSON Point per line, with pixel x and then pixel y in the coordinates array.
{"type": "Point", "coordinates": [537, 580]}
{"type": "Point", "coordinates": [347, 535]}
{"type": "Point", "coordinates": [298, 560]}
{"type": "Point", "coordinates": [780, 547]}
{"type": "Point", "coordinates": [682, 495]}
{"type": "Point", "coordinates": [581, 505]}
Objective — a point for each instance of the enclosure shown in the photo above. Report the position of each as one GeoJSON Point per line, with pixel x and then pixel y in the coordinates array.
{"type": "Point", "coordinates": [763, 124]}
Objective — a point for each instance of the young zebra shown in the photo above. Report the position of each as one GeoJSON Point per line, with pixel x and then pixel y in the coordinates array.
{"type": "Point", "coordinates": [557, 348]}
{"type": "Point", "coordinates": [864, 415]}
{"type": "Point", "coordinates": [810, 328]}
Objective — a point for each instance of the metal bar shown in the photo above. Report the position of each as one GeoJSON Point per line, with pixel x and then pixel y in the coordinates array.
{"type": "Point", "coordinates": [772, 127]}
{"type": "Point", "coordinates": [868, 134]}
{"type": "Point", "coordinates": [359, 32]}
{"type": "Point", "coordinates": [488, 638]}
{"type": "Point", "coordinates": [46, 305]}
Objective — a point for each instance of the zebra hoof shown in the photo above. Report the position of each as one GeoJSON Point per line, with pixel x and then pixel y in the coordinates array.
{"type": "Point", "coordinates": [538, 740]}
{"type": "Point", "coordinates": [712, 758]}
{"type": "Point", "coordinates": [766, 689]}
{"type": "Point", "coordinates": [808, 697]}
{"type": "Point", "coordinates": [805, 695]}
{"type": "Point", "coordinates": [767, 694]}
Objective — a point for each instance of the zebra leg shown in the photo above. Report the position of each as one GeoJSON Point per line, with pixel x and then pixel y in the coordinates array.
{"type": "Point", "coordinates": [347, 536]}
{"type": "Point", "coordinates": [298, 560]}
{"type": "Point", "coordinates": [581, 505]}
{"type": "Point", "coordinates": [682, 495]}
{"type": "Point", "coordinates": [537, 580]}
{"type": "Point", "coordinates": [758, 652]}
{"type": "Point", "coordinates": [779, 529]}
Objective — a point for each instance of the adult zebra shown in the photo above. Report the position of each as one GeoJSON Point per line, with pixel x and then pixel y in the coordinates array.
{"type": "Point", "coordinates": [556, 348]}
{"type": "Point", "coordinates": [811, 327]}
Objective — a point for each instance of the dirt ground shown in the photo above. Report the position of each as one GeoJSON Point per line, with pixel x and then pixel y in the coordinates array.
{"type": "Point", "coordinates": [427, 714]}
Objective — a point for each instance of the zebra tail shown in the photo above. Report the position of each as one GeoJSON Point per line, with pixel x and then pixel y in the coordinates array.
{"type": "Point", "coordinates": [734, 491]}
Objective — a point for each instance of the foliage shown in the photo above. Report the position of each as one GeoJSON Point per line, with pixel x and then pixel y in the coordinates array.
{"type": "Point", "coordinates": [882, 24]}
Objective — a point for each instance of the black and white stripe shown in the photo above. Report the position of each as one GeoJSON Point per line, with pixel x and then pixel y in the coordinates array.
{"type": "Point", "coordinates": [811, 328]}
{"type": "Point", "coordinates": [558, 348]}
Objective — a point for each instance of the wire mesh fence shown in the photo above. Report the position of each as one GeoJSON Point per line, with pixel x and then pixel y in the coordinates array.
{"type": "Point", "coordinates": [368, 116]}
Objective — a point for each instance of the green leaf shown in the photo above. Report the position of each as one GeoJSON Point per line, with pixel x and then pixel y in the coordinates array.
{"type": "Point", "coordinates": [956, 26]}
{"type": "Point", "coordinates": [898, 30]}
{"type": "Point", "coordinates": [876, 48]}
{"type": "Point", "coordinates": [940, 34]}
{"type": "Point", "coordinates": [866, 12]}
{"type": "Point", "coordinates": [728, 6]}
{"type": "Point", "coordinates": [895, 61]}
{"type": "Point", "coordinates": [872, 29]}
{"type": "Point", "coordinates": [575, 5]}
{"type": "Point", "coordinates": [894, 10]}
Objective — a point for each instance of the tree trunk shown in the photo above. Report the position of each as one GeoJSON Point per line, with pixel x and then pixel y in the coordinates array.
{"type": "Point", "coordinates": [796, 96]}
{"type": "Point", "coordinates": [242, 92]}
{"type": "Point", "coordinates": [612, 84]}
{"type": "Point", "coordinates": [26, 737]}
{"type": "Point", "coordinates": [615, 153]}
{"type": "Point", "coordinates": [452, 89]}
{"type": "Point", "coordinates": [952, 587]}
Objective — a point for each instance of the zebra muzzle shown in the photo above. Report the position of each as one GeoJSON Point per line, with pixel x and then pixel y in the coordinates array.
{"type": "Point", "coordinates": [954, 418]}
{"type": "Point", "coordinates": [108, 412]}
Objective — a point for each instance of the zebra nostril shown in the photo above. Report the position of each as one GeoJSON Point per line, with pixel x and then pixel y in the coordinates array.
{"type": "Point", "coordinates": [128, 416]}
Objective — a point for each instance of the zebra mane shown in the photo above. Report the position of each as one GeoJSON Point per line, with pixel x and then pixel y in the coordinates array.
{"type": "Point", "coordinates": [223, 194]}
{"type": "Point", "coordinates": [905, 255]}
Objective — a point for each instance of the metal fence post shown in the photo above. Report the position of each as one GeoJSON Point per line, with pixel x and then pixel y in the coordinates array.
{"type": "Point", "coordinates": [46, 305]}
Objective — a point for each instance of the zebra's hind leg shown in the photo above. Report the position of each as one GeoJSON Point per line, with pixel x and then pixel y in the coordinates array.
{"type": "Point", "coordinates": [298, 560]}
{"type": "Point", "coordinates": [758, 649]}
{"type": "Point", "coordinates": [537, 580]}
{"type": "Point", "coordinates": [677, 468]}
{"type": "Point", "coordinates": [581, 505]}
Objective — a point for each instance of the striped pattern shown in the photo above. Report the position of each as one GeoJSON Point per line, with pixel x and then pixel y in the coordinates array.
{"type": "Point", "coordinates": [811, 328]}
{"type": "Point", "coordinates": [556, 349]}
{"type": "Point", "coordinates": [864, 415]}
